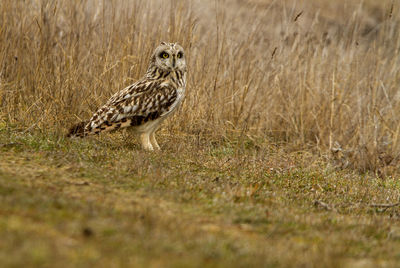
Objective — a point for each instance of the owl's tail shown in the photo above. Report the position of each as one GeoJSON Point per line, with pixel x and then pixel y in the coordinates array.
{"type": "Point", "coordinates": [77, 130]}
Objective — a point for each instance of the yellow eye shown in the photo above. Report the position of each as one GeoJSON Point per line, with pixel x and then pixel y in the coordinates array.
{"type": "Point", "coordinates": [179, 55]}
{"type": "Point", "coordinates": [164, 55]}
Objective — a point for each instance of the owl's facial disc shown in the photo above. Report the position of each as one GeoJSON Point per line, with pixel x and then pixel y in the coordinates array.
{"type": "Point", "coordinates": [170, 56]}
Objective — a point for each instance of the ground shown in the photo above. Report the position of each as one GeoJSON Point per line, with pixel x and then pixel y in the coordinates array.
{"type": "Point", "coordinates": [198, 203]}
{"type": "Point", "coordinates": [284, 153]}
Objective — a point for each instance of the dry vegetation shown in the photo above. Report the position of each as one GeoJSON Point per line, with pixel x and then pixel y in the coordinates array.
{"type": "Point", "coordinates": [289, 132]}
{"type": "Point", "coordinates": [314, 75]}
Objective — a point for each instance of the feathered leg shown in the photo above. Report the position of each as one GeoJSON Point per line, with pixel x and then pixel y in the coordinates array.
{"type": "Point", "coordinates": [154, 141]}
{"type": "Point", "coordinates": [145, 138]}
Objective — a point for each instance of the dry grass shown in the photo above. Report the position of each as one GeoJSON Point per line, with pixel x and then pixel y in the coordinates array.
{"type": "Point", "coordinates": [314, 75]}
{"type": "Point", "coordinates": [103, 203]}
{"type": "Point", "coordinates": [287, 138]}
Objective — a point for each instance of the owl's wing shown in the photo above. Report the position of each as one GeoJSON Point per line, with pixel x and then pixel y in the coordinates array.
{"type": "Point", "coordinates": [133, 106]}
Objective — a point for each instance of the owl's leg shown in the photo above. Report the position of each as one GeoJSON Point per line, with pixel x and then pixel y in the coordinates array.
{"type": "Point", "coordinates": [145, 138]}
{"type": "Point", "coordinates": [154, 141]}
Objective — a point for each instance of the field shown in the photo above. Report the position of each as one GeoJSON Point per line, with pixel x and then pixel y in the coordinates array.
{"type": "Point", "coordinates": [285, 152]}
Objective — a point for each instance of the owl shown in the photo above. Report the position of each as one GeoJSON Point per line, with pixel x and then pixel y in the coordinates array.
{"type": "Point", "coordinates": [144, 105]}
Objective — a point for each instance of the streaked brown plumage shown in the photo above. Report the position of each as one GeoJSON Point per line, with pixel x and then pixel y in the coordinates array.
{"type": "Point", "coordinates": [144, 105]}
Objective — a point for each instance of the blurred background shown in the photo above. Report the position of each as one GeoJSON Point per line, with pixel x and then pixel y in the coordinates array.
{"type": "Point", "coordinates": [321, 76]}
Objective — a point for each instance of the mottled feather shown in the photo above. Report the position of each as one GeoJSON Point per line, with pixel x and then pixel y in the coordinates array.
{"type": "Point", "coordinates": [150, 99]}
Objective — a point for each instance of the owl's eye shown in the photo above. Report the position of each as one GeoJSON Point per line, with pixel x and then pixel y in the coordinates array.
{"type": "Point", "coordinates": [164, 55]}
{"type": "Point", "coordinates": [179, 55]}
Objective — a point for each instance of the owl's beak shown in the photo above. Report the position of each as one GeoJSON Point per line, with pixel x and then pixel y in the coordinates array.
{"type": "Point", "coordinates": [173, 62]}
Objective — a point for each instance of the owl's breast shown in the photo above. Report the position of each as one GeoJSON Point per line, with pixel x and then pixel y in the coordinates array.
{"type": "Point", "coordinates": [180, 95]}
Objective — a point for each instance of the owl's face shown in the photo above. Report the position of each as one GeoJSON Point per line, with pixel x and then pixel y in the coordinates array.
{"type": "Point", "coordinates": [170, 56]}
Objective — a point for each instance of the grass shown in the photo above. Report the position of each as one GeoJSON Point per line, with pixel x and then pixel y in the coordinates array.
{"type": "Point", "coordinates": [102, 202]}
{"type": "Point", "coordinates": [313, 74]}
{"type": "Point", "coordinates": [283, 153]}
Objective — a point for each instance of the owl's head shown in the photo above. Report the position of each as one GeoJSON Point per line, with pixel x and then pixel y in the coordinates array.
{"type": "Point", "coordinates": [169, 57]}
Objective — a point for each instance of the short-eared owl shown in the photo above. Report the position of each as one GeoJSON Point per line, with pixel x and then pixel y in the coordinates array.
{"type": "Point", "coordinates": [144, 105]}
